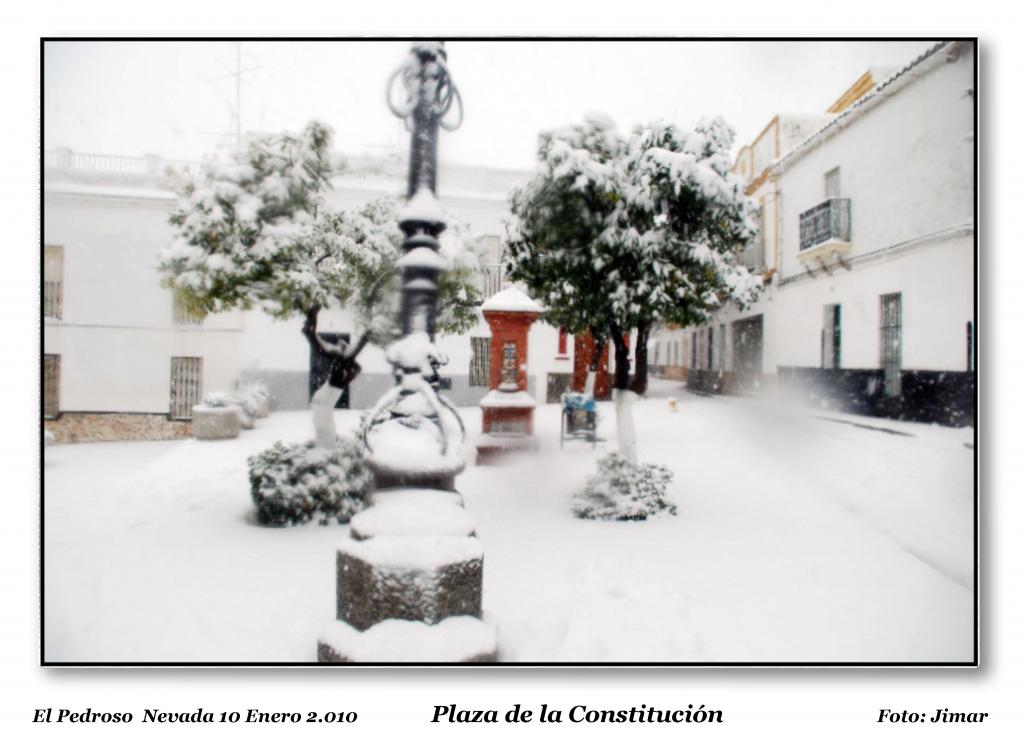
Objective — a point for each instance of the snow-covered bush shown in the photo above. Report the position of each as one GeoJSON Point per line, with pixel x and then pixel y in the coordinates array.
{"type": "Point", "coordinates": [624, 491]}
{"type": "Point", "coordinates": [250, 406]}
{"type": "Point", "coordinates": [291, 484]}
{"type": "Point", "coordinates": [259, 394]}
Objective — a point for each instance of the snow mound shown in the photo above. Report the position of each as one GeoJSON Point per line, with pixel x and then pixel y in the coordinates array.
{"type": "Point", "coordinates": [454, 639]}
{"type": "Point", "coordinates": [414, 515]}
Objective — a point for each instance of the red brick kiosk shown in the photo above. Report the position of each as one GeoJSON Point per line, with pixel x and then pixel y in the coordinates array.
{"type": "Point", "coordinates": [508, 406]}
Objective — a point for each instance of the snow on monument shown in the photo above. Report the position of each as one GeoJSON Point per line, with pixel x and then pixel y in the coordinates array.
{"type": "Point", "coordinates": [410, 577]}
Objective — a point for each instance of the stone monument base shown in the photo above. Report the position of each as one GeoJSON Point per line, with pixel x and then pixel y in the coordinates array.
{"type": "Point", "coordinates": [410, 584]}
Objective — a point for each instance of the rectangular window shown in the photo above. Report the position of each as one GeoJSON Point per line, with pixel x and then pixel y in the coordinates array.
{"type": "Point", "coordinates": [709, 337]}
{"type": "Point", "coordinates": [891, 335]}
{"type": "Point", "coordinates": [53, 281]}
{"type": "Point", "coordinates": [563, 342]}
{"type": "Point", "coordinates": [51, 385]}
{"type": "Point", "coordinates": [182, 315]}
{"type": "Point", "coordinates": [832, 183]}
{"type": "Point", "coordinates": [693, 350]}
{"type": "Point", "coordinates": [186, 385]}
{"type": "Point", "coordinates": [480, 362]}
{"type": "Point", "coordinates": [830, 337]}
{"type": "Point", "coordinates": [492, 249]}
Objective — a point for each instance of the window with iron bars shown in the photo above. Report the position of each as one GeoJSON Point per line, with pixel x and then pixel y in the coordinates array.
{"type": "Point", "coordinates": [891, 336]}
{"type": "Point", "coordinates": [53, 281]}
{"type": "Point", "coordinates": [480, 362]}
{"type": "Point", "coordinates": [186, 385]}
{"type": "Point", "coordinates": [51, 385]}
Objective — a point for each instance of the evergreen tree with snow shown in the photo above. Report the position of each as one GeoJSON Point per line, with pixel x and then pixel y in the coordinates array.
{"type": "Point", "coordinates": [256, 231]}
{"type": "Point", "coordinates": [616, 233]}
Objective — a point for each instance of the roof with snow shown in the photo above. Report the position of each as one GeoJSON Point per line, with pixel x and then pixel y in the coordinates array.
{"type": "Point", "coordinates": [512, 299]}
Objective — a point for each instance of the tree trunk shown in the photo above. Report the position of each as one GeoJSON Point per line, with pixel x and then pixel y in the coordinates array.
{"type": "Point", "coordinates": [624, 423]}
{"type": "Point", "coordinates": [597, 342]}
{"type": "Point", "coordinates": [639, 384]}
{"type": "Point", "coordinates": [624, 397]}
{"type": "Point", "coordinates": [344, 369]}
{"type": "Point", "coordinates": [322, 405]}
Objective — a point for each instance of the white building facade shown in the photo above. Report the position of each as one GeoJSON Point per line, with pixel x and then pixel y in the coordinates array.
{"type": "Point", "coordinates": [122, 361]}
{"type": "Point", "coordinates": [119, 358]}
{"type": "Point", "coordinates": [867, 247]}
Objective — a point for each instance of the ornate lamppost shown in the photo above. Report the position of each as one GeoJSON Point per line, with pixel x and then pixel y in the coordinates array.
{"type": "Point", "coordinates": [414, 435]}
{"type": "Point", "coordinates": [410, 576]}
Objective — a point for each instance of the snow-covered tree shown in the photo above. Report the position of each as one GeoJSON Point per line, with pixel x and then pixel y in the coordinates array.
{"type": "Point", "coordinates": [257, 231]}
{"type": "Point", "coordinates": [617, 233]}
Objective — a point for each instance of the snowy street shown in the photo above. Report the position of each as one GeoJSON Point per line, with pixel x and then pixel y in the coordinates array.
{"type": "Point", "coordinates": [802, 536]}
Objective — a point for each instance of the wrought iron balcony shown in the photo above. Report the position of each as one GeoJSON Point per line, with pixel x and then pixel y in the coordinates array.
{"type": "Point", "coordinates": [826, 221]}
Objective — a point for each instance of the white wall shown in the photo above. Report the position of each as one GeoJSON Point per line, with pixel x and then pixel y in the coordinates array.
{"type": "Point", "coordinates": [116, 336]}
{"type": "Point", "coordinates": [936, 283]}
{"type": "Point", "coordinates": [906, 166]}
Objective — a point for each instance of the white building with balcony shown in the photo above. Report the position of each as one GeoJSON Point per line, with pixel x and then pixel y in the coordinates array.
{"type": "Point", "coordinates": [867, 246]}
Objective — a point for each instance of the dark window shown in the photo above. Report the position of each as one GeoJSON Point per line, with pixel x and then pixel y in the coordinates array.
{"type": "Point", "coordinates": [891, 336]}
{"type": "Point", "coordinates": [970, 346]}
{"type": "Point", "coordinates": [831, 337]}
{"type": "Point", "coordinates": [186, 385]}
{"type": "Point", "coordinates": [480, 362]}
{"type": "Point", "coordinates": [51, 385]}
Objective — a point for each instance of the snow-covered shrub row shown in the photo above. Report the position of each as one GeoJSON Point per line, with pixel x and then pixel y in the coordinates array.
{"type": "Point", "coordinates": [294, 483]}
{"type": "Point", "coordinates": [624, 490]}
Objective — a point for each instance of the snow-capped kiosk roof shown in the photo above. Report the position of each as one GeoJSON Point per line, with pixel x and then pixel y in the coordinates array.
{"type": "Point", "coordinates": [511, 299]}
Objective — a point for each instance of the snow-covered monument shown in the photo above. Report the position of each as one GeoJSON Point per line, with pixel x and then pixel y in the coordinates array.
{"type": "Point", "coordinates": [507, 409]}
{"type": "Point", "coordinates": [410, 577]}
{"type": "Point", "coordinates": [867, 250]}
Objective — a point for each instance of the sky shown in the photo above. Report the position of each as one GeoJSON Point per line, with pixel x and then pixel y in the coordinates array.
{"type": "Point", "coordinates": [177, 99]}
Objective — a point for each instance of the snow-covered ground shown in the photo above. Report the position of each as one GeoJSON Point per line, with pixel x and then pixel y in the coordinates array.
{"type": "Point", "coordinates": [801, 536]}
